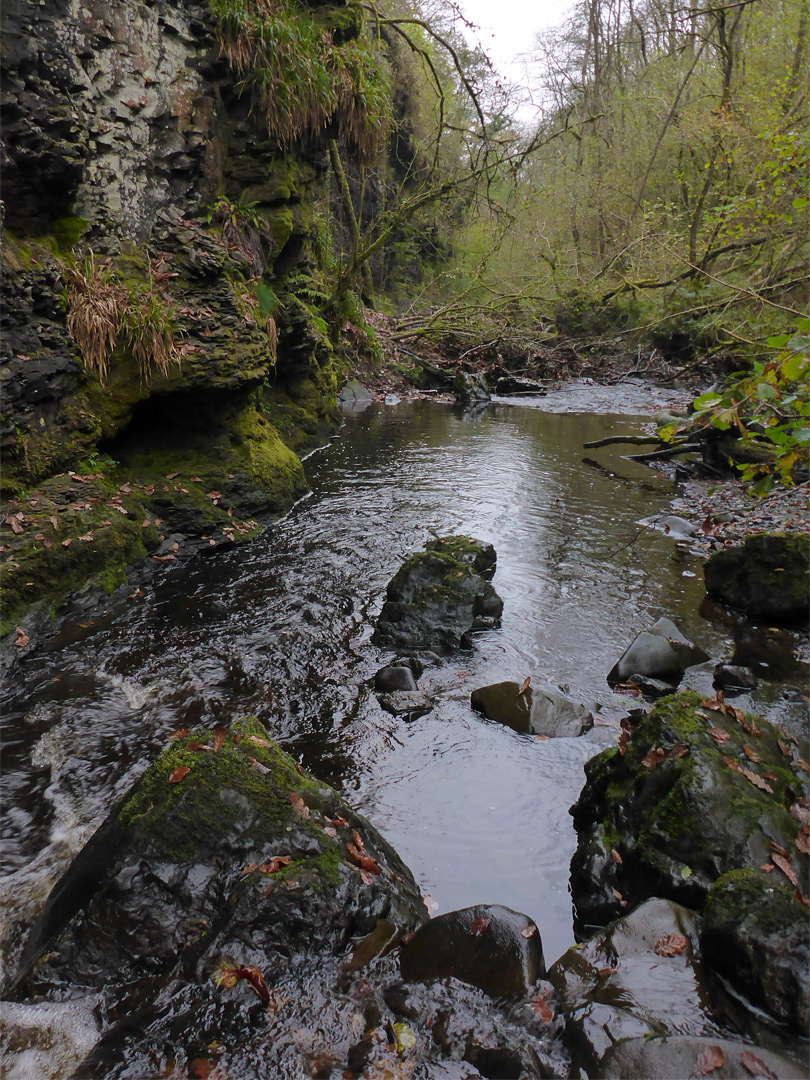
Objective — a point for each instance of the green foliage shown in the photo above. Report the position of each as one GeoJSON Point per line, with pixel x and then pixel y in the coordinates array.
{"type": "Point", "coordinates": [303, 73]}
{"type": "Point", "coordinates": [769, 406]}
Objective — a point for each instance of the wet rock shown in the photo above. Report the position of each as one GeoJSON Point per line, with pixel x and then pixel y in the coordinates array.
{"type": "Point", "coordinates": [512, 384]}
{"type": "Point", "coordinates": [470, 389]}
{"type": "Point", "coordinates": [412, 704]}
{"type": "Point", "coordinates": [662, 652]}
{"type": "Point", "coordinates": [537, 710]}
{"type": "Point", "coordinates": [676, 527]}
{"type": "Point", "coordinates": [697, 792]}
{"type": "Point", "coordinates": [486, 946]}
{"type": "Point", "coordinates": [440, 595]}
{"type": "Point", "coordinates": [734, 677]}
{"type": "Point", "coordinates": [757, 936]}
{"type": "Point", "coordinates": [650, 688]}
{"type": "Point", "coordinates": [354, 397]}
{"type": "Point", "coordinates": [767, 576]}
{"type": "Point", "coordinates": [394, 677]}
{"type": "Point", "coordinates": [689, 1055]}
{"type": "Point", "coordinates": [618, 985]}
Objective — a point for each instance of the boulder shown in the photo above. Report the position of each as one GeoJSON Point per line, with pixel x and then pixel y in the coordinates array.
{"type": "Point", "coordinates": [439, 596]}
{"type": "Point", "coordinates": [394, 677]}
{"type": "Point", "coordinates": [695, 791]}
{"type": "Point", "coordinates": [639, 977]}
{"type": "Point", "coordinates": [470, 389]}
{"type": "Point", "coordinates": [768, 576]}
{"type": "Point", "coordinates": [513, 384]}
{"type": "Point", "coordinates": [662, 652]}
{"type": "Point", "coordinates": [671, 525]}
{"type": "Point", "coordinates": [734, 677]}
{"type": "Point", "coordinates": [691, 1055]}
{"type": "Point", "coordinates": [756, 934]}
{"type": "Point", "coordinates": [537, 710]}
{"type": "Point", "coordinates": [412, 704]}
{"type": "Point", "coordinates": [488, 946]}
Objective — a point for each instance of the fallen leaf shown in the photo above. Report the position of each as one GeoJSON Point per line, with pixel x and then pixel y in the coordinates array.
{"type": "Point", "coordinates": [803, 764]}
{"type": "Point", "coordinates": [88, 538]}
{"type": "Point", "coordinates": [670, 945]}
{"type": "Point", "coordinates": [480, 926]}
{"type": "Point", "coordinates": [66, 543]}
{"type": "Point", "coordinates": [16, 527]}
{"type": "Point", "coordinates": [616, 856]}
{"type": "Point", "coordinates": [710, 1059]}
{"type": "Point", "coordinates": [329, 831]}
{"type": "Point", "coordinates": [361, 859]}
{"type": "Point", "coordinates": [228, 975]}
{"type": "Point", "coordinates": [339, 821]}
{"type": "Point", "coordinates": [178, 774]}
{"type": "Point", "coordinates": [653, 758]}
{"type": "Point", "coordinates": [170, 476]}
{"type": "Point", "coordinates": [716, 704]}
{"type": "Point", "coordinates": [528, 931]}
{"type": "Point", "coordinates": [719, 735]}
{"type": "Point", "coordinates": [803, 843]}
{"type": "Point", "coordinates": [802, 899]}
{"type": "Point", "coordinates": [752, 755]}
{"type": "Point", "coordinates": [179, 734]}
{"type": "Point", "coordinates": [214, 494]}
{"type": "Point", "coordinates": [618, 896]}
{"type": "Point", "coordinates": [220, 735]}
{"type": "Point", "coordinates": [299, 805]}
{"type": "Point", "coordinates": [146, 523]}
{"type": "Point", "coordinates": [277, 863]}
{"type": "Point", "coordinates": [22, 638]}
{"type": "Point", "coordinates": [193, 747]}
{"type": "Point", "coordinates": [527, 682]}
{"type": "Point", "coordinates": [164, 558]}
{"type": "Point", "coordinates": [757, 780]}
{"type": "Point", "coordinates": [785, 748]}
{"type": "Point", "coordinates": [248, 869]}
{"type": "Point", "coordinates": [756, 1067]}
{"type": "Point", "coordinates": [258, 765]}
{"type": "Point", "coordinates": [541, 1008]}
{"type": "Point", "coordinates": [40, 536]}
{"type": "Point", "coordinates": [366, 877]}
{"type": "Point", "coordinates": [786, 867]}
{"type": "Point", "coordinates": [136, 595]}
{"type": "Point", "coordinates": [624, 740]}
{"type": "Point", "coordinates": [260, 741]}
{"type": "Point", "coordinates": [768, 867]}
{"type": "Point", "coordinates": [748, 728]}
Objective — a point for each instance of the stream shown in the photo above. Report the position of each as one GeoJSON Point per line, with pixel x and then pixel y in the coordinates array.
{"type": "Point", "coordinates": [281, 629]}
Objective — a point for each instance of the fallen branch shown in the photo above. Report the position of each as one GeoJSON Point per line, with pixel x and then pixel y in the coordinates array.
{"type": "Point", "coordinates": [636, 440]}
{"type": "Point", "coordinates": [670, 452]}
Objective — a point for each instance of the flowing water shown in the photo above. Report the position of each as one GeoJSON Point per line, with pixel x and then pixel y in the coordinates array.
{"type": "Point", "coordinates": [281, 629]}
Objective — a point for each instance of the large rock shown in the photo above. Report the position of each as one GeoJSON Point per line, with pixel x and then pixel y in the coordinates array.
{"type": "Point", "coordinates": [768, 576]}
{"type": "Point", "coordinates": [440, 595]}
{"type": "Point", "coordinates": [757, 936]}
{"type": "Point", "coordinates": [488, 946]}
{"type": "Point", "coordinates": [689, 1055]}
{"type": "Point", "coordinates": [470, 389]}
{"type": "Point", "coordinates": [662, 652]}
{"type": "Point", "coordinates": [697, 790]}
{"type": "Point", "coordinates": [234, 912]}
{"type": "Point", "coordinates": [537, 710]}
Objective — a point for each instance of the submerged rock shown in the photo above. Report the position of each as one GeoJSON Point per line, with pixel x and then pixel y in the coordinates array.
{"type": "Point", "coordinates": [440, 595]}
{"type": "Point", "coordinates": [470, 389]}
{"type": "Point", "coordinates": [689, 1055]}
{"type": "Point", "coordinates": [536, 710]}
{"type": "Point", "coordinates": [662, 652]}
{"type": "Point", "coordinates": [412, 704]}
{"type": "Point", "coordinates": [394, 677]}
{"type": "Point", "coordinates": [488, 946]}
{"type": "Point", "coordinates": [734, 677]}
{"type": "Point", "coordinates": [768, 576]}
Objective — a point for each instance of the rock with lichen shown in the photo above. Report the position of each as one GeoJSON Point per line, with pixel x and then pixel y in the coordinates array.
{"type": "Point", "coordinates": [439, 596]}
{"type": "Point", "coordinates": [768, 576]}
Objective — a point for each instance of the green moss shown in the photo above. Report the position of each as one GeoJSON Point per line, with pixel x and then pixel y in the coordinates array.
{"type": "Point", "coordinates": [68, 231]}
{"type": "Point", "coordinates": [748, 892]}
{"type": "Point", "coordinates": [269, 461]}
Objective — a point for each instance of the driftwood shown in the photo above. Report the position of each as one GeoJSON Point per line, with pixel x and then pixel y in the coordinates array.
{"type": "Point", "coordinates": [635, 440]}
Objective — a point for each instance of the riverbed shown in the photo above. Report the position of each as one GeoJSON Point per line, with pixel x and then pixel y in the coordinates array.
{"type": "Point", "coordinates": [281, 629]}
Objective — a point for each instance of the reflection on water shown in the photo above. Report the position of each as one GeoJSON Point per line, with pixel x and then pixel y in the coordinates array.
{"type": "Point", "coordinates": [281, 629]}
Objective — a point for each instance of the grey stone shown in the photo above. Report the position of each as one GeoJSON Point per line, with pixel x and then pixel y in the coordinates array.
{"type": "Point", "coordinates": [538, 710]}
{"type": "Point", "coordinates": [470, 389]}
{"type": "Point", "coordinates": [680, 1056]}
{"type": "Point", "coordinates": [650, 655]}
{"type": "Point", "coordinates": [483, 945]}
{"type": "Point", "coordinates": [734, 677]}
{"type": "Point", "coordinates": [412, 704]}
{"type": "Point", "coordinates": [767, 576]}
{"type": "Point", "coordinates": [394, 677]}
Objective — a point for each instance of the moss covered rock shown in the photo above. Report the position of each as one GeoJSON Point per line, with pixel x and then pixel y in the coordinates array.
{"type": "Point", "coordinates": [440, 595]}
{"type": "Point", "coordinates": [768, 576]}
{"type": "Point", "coordinates": [756, 934]}
{"type": "Point", "coordinates": [699, 790]}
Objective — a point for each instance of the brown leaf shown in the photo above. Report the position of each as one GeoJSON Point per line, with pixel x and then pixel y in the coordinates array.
{"type": "Point", "coordinates": [214, 494]}
{"type": "Point", "coordinates": [670, 945]}
{"type": "Point", "coordinates": [179, 734]}
{"type": "Point", "coordinates": [749, 728]}
{"type": "Point", "coordinates": [529, 931]}
{"type": "Point", "coordinates": [786, 867]}
{"type": "Point", "coordinates": [719, 735]}
{"type": "Point", "coordinates": [785, 748]}
{"type": "Point", "coordinates": [169, 476]}
{"type": "Point", "coordinates": [756, 1067]}
{"type": "Point", "coordinates": [803, 843]}
{"type": "Point", "coordinates": [260, 741]}
{"type": "Point", "coordinates": [40, 536]}
{"type": "Point", "coordinates": [22, 638]}
{"type": "Point", "coordinates": [678, 750]}
{"type": "Point", "coordinates": [527, 682]}
{"type": "Point", "coordinates": [541, 1008]}
{"type": "Point", "coordinates": [716, 704]}
{"type": "Point", "coordinates": [361, 859]}
{"type": "Point", "coordinates": [618, 896]}
{"type": "Point", "coordinates": [653, 758]}
{"type": "Point", "coordinates": [366, 877]}
{"type": "Point", "coordinates": [339, 821]}
{"type": "Point", "coordinates": [248, 869]}
{"type": "Point", "coordinates": [277, 863]}
{"type": "Point", "coordinates": [752, 755]}
{"type": "Point", "coordinates": [616, 856]}
{"type": "Point", "coordinates": [803, 764]}
{"type": "Point", "coordinates": [710, 1059]}
{"type": "Point", "coordinates": [329, 831]}
{"type": "Point", "coordinates": [624, 740]}
{"type": "Point", "coordinates": [802, 899]}
{"type": "Point", "coordinates": [178, 774]}
{"type": "Point", "coordinates": [193, 747]}
{"type": "Point", "coordinates": [768, 867]}
{"type": "Point", "coordinates": [16, 527]}
{"type": "Point", "coordinates": [164, 558]}
{"type": "Point", "coordinates": [66, 543]}
{"type": "Point", "coordinates": [254, 976]}
{"type": "Point", "coordinates": [480, 926]}
{"type": "Point", "coordinates": [137, 595]}
{"type": "Point", "coordinates": [299, 805]}
{"type": "Point", "coordinates": [220, 735]}
{"type": "Point", "coordinates": [757, 780]}
{"type": "Point", "coordinates": [258, 765]}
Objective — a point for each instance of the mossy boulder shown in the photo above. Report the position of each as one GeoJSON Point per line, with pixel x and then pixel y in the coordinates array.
{"type": "Point", "coordinates": [698, 789]}
{"type": "Point", "coordinates": [768, 576]}
{"type": "Point", "coordinates": [756, 934]}
{"type": "Point", "coordinates": [440, 596]}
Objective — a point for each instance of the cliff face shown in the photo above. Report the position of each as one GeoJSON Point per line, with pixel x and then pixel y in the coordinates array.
{"type": "Point", "coordinates": [126, 135]}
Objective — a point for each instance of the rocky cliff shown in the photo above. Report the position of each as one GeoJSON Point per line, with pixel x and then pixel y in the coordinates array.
{"type": "Point", "coordinates": [161, 358]}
